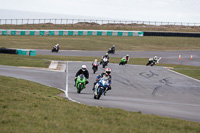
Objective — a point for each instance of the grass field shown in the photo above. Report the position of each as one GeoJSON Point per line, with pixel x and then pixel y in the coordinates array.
{"type": "Point", "coordinates": [35, 108]}
{"type": "Point", "coordinates": [92, 26]}
{"type": "Point", "coordinates": [101, 43]}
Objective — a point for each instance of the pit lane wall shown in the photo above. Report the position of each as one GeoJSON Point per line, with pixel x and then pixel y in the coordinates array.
{"type": "Point", "coordinates": [70, 32]}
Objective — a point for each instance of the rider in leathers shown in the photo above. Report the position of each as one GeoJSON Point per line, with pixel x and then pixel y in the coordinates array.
{"type": "Point", "coordinates": [106, 74]}
{"type": "Point", "coordinates": [105, 56]}
{"type": "Point", "coordinates": [83, 71]}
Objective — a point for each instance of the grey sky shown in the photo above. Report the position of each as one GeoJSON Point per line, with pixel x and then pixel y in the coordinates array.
{"type": "Point", "coordinates": [144, 10]}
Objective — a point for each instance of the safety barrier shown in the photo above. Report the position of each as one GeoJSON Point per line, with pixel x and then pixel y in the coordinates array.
{"type": "Point", "coordinates": [71, 32]}
{"type": "Point", "coordinates": [171, 34]}
{"type": "Point", "coordinates": [26, 52]}
{"type": "Point", "coordinates": [18, 51]}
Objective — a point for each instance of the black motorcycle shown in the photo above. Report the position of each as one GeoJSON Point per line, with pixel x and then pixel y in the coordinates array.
{"type": "Point", "coordinates": [104, 62]}
{"type": "Point", "coordinates": [55, 49]}
{"type": "Point", "coordinates": [153, 62]}
{"type": "Point", "coordinates": [111, 51]}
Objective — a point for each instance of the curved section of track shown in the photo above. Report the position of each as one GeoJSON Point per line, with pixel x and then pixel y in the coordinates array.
{"type": "Point", "coordinates": [151, 90]}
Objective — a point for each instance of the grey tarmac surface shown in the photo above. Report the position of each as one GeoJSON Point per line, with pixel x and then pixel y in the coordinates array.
{"type": "Point", "coordinates": [151, 90]}
{"type": "Point", "coordinates": [168, 57]}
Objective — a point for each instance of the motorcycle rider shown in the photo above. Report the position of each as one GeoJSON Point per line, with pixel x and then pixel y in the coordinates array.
{"type": "Point", "coordinates": [105, 56]}
{"type": "Point", "coordinates": [153, 61]}
{"type": "Point", "coordinates": [83, 71]}
{"type": "Point", "coordinates": [113, 48]}
{"type": "Point", "coordinates": [95, 62]}
{"type": "Point", "coordinates": [127, 58]}
{"type": "Point", "coordinates": [107, 74]}
{"type": "Point", "coordinates": [56, 46]}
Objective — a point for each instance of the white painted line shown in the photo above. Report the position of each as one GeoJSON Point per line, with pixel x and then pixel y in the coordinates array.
{"type": "Point", "coordinates": [67, 89]}
{"type": "Point", "coordinates": [184, 75]}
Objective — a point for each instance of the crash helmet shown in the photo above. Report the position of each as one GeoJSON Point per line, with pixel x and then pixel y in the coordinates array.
{"type": "Point", "coordinates": [113, 45]}
{"type": "Point", "coordinates": [83, 67]}
{"type": "Point", "coordinates": [95, 60]}
{"type": "Point", "coordinates": [107, 71]}
{"type": "Point", "coordinates": [57, 44]}
{"type": "Point", "coordinates": [127, 55]}
{"type": "Point", "coordinates": [106, 53]}
{"type": "Point", "coordinates": [155, 57]}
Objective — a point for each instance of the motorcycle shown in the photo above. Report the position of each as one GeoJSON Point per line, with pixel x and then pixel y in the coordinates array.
{"type": "Point", "coordinates": [123, 61]}
{"type": "Point", "coordinates": [101, 87]}
{"type": "Point", "coordinates": [111, 51]}
{"type": "Point", "coordinates": [55, 49]}
{"type": "Point", "coordinates": [94, 67]}
{"type": "Point", "coordinates": [153, 62]}
{"type": "Point", "coordinates": [104, 62]}
{"type": "Point", "coordinates": [80, 83]}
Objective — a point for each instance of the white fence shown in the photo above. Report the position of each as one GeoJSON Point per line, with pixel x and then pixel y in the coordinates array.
{"type": "Point", "coordinates": [99, 22]}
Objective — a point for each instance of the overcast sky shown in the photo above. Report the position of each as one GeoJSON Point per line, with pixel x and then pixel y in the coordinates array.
{"type": "Point", "coordinates": [141, 10]}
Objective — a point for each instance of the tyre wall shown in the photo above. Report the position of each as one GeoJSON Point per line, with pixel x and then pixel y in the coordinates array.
{"type": "Point", "coordinates": [171, 34]}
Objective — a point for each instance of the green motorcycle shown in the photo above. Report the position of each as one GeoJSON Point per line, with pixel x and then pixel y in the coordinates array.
{"type": "Point", "coordinates": [80, 83]}
{"type": "Point", "coordinates": [123, 61]}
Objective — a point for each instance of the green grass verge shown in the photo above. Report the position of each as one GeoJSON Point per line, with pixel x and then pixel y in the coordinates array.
{"type": "Point", "coordinates": [35, 108]}
{"type": "Point", "coordinates": [101, 43]}
{"type": "Point", "coordinates": [21, 60]}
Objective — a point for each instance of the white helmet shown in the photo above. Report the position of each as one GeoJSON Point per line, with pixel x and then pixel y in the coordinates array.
{"type": "Point", "coordinates": [83, 67]}
{"type": "Point", "coordinates": [127, 55]}
{"type": "Point", "coordinates": [155, 57]}
{"type": "Point", "coordinates": [95, 60]}
{"type": "Point", "coordinates": [113, 45]}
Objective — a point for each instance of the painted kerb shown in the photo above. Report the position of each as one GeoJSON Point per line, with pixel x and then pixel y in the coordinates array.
{"type": "Point", "coordinates": [70, 33]}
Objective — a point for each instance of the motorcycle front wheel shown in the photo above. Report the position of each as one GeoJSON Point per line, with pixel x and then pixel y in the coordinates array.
{"type": "Point", "coordinates": [79, 88]}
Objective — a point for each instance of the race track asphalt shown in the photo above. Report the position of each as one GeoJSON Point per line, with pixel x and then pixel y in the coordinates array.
{"type": "Point", "coordinates": [168, 57]}
{"type": "Point", "coordinates": [151, 90]}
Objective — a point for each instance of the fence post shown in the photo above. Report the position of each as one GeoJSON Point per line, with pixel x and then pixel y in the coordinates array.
{"type": "Point", "coordinates": [16, 21]}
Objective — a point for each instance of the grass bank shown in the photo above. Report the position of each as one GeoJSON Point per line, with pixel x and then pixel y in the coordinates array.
{"type": "Point", "coordinates": [32, 107]}
{"type": "Point", "coordinates": [111, 26]}
{"type": "Point", "coordinates": [44, 61]}
{"type": "Point", "coordinates": [101, 43]}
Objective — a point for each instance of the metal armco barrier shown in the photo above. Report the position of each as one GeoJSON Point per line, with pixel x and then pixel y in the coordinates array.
{"type": "Point", "coordinates": [70, 32]}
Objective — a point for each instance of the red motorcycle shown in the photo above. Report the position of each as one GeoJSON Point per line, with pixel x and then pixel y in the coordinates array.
{"type": "Point", "coordinates": [94, 67]}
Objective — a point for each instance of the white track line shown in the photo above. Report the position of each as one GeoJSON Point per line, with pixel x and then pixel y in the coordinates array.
{"type": "Point", "coordinates": [67, 89]}
{"type": "Point", "coordinates": [184, 75]}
